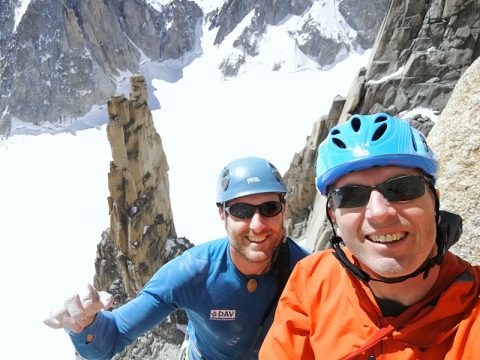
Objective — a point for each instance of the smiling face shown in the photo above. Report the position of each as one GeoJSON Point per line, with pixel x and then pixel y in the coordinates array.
{"type": "Point", "coordinates": [389, 239]}
{"type": "Point", "coordinates": [253, 241]}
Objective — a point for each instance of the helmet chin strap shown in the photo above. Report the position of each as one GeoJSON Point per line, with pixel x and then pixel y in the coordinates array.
{"type": "Point", "coordinates": [424, 268]}
{"type": "Point", "coordinates": [363, 276]}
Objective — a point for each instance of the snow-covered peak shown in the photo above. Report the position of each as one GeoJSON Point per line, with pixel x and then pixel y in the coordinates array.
{"type": "Point", "coordinates": [19, 11]}
{"type": "Point", "coordinates": [206, 5]}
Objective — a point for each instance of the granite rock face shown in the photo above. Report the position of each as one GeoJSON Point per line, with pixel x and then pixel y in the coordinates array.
{"type": "Point", "coordinates": [7, 23]}
{"type": "Point", "coordinates": [141, 218]}
{"type": "Point", "coordinates": [311, 36]}
{"type": "Point", "coordinates": [141, 237]}
{"type": "Point", "coordinates": [65, 57]}
{"type": "Point", "coordinates": [365, 17]}
{"type": "Point", "coordinates": [422, 50]}
{"type": "Point", "coordinates": [458, 150]}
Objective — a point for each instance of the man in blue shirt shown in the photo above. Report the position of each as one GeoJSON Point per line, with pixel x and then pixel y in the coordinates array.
{"type": "Point", "coordinates": [227, 287]}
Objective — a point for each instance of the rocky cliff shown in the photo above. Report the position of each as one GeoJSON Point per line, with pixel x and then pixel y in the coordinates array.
{"type": "Point", "coordinates": [422, 50]}
{"type": "Point", "coordinates": [458, 149]}
{"type": "Point", "coordinates": [65, 57]}
{"type": "Point", "coordinates": [141, 237]}
{"type": "Point", "coordinates": [62, 59]}
{"type": "Point", "coordinates": [312, 37]}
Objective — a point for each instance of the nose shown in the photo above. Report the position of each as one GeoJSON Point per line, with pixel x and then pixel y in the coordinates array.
{"type": "Point", "coordinates": [257, 223]}
{"type": "Point", "coordinates": [378, 208]}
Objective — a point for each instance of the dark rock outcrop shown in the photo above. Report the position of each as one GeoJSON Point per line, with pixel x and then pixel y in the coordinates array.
{"type": "Point", "coordinates": [365, 17]}
{"type": "Point", "coordinates": [7, 23]}
{"type": "Point", "coordinates": [419, 55]}
{"type": "Point", "coordinates": [67, 56]}
{"type": "Point", "coordinates": [423, 49]}
{"type": "Point", "coordinates": [310, 37]}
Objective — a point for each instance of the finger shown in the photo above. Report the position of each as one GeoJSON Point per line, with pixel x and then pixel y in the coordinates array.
{"type": "Point", "coordinates": [77, 312]}
{"type": "Point", "coordinates": [92, 307]}
{"type": "Point", "coordinates": [107, 299]}
{"type": "Point", "coordinates": [93, 293]}
{"type": "Point", "coordinates": [56, 318]}
{"type": "Point", "coordinates": [72, 325]}
{"type": "Point", "coordinates": [53, 322]}
{"type": "Point", "coordinates": [89, 293]}
{"type": "Point", "coordinates": [93, 296]}
{"type": "Point", "coordinates": [73, 315]}
{"type": "Point", "coordinates": [62, 319]}
{"type": "Point", "coordinates": [91, 301]}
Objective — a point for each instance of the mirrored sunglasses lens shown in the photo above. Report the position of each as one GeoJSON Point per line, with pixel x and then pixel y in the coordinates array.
{"type": "Point", "coordinates": [270, 208]}
{"type": "Point", "coordinates": [350, 196]}
{"type": "Point", "coordinates": [403, 188]}
{"type": "Point", "coordinates": [242, 211]}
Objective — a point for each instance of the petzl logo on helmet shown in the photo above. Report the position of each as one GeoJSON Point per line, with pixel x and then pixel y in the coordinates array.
{"type": "Point", "coordinates": [222, 314]}
{"type": "Point", "coordinates": [253, 180]}
{"type": "Point", "coordinates": [359, 152]}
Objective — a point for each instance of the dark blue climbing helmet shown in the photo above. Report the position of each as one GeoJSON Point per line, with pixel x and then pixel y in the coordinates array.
{"type": "Point", "coordinates": [364, 141]}
{"type": "Point", "coordinates": [248, 176]}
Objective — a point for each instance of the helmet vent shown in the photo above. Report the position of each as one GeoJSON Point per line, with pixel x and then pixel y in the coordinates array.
{"type": "Point", "coordinates": [380, 118]}
{"type": "Point", "coordinates": [379, 132]}
{"type": "Point", "coordinates": [413, 140]}
{"type": "Point", "coordinates": [356, 124]}
{"type": "Point", "coordinates": [424, 142]}
{"type": "Point", "coordinates": [339, 143]}
{"type": "Point", "coordinates": [225, 178]}
{"type": "Point", "coordinates": [277, 175]}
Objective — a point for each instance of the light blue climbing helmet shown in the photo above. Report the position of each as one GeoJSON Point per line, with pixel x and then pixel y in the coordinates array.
{"type": "Point", "coordinates": [248, 176]}
{"type": "Point", "coordinates": [364, 141]}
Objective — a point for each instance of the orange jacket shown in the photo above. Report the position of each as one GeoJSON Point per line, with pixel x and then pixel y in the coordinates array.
{"type": "Point", "coordinates": [326, 313]}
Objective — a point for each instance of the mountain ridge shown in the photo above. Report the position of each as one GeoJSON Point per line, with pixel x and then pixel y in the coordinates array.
{"type": "Point", "coordinates": [66, 57]}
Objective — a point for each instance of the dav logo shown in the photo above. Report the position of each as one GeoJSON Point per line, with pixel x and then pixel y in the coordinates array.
{"type": "Point", "coordinates": [222, 314]}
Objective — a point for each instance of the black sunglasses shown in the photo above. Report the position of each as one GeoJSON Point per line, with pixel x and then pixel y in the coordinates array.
{"type": "Point", "coordinates": [402, 188]}
{"type": "Point", "coordinates": [246, 211]}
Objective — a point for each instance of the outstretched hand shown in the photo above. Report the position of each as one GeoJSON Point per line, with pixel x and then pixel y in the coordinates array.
{"type": "Point", "coordinates": [79, 312]}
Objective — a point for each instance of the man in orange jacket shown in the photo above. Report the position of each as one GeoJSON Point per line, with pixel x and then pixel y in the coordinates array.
{"type": "Point", "coordinates": [394, 291]}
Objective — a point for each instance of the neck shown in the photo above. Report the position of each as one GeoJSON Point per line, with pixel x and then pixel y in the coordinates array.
{"type": "Point", "coordinates": [407, 292]}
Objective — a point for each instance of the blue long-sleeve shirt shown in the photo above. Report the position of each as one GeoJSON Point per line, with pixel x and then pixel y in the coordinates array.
{"type": "Point", "coordinates": [223, 316]}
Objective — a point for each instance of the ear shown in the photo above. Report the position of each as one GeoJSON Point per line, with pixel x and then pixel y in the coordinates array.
{"type": "Point", "coordinates": [438, 197]}
{"type": "Point", "coordinates": [331, 213]}
{"type": "Point", "coordinates": [221, 212]}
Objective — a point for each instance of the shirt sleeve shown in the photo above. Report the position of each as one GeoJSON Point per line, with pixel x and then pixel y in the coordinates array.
{"type": "Point", "coordinates": [97, 347]}
{"type": "Point", "coordinates": [113, 331]}
{"type": "Point", "coordinates": [288, 337]}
